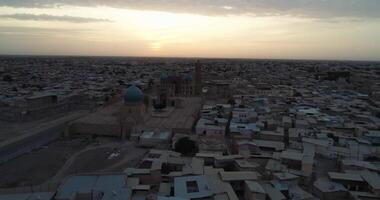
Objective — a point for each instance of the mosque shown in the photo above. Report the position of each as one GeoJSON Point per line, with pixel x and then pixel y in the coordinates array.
{"type": "Point", "coordinates": [118, 119]}
{"type": "Point", "coordinates": [137, 112]}
{"type": "Point", "coordinates": [188, 84]}
{"type": "Point", "coordinates": [135, 103]}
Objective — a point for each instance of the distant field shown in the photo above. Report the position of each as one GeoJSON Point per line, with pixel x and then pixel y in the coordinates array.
{"type": "Point", "coordinates": [39, 165]}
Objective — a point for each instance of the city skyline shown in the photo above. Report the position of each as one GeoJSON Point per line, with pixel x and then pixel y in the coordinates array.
{"type": "Point", "coordinates": [333, 29]}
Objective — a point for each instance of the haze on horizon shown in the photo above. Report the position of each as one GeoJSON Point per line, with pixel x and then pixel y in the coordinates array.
{"type": "Point", "coordinates": [289, 29]}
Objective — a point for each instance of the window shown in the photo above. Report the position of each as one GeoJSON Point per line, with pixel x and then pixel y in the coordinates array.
{"type": "Point", "coordinates": [192, 186]}
{"type": "Point", "coordinates": [153, 155]}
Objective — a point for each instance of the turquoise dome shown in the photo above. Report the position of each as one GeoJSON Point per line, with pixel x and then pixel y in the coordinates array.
{"type": "Point", "coordinates": [164, 76]}
{"type": "Point", "coordinates": [133, 94]}
{"type": "Point", "coordinates": [187, 77]}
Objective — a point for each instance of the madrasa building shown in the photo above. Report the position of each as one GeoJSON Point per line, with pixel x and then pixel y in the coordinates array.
{"type": "Point", "coordinates": [115, 120]}
{"type": "Point", "coordinates": [185, 84]}
{"type": "Point", "coordinates": [174, 109]}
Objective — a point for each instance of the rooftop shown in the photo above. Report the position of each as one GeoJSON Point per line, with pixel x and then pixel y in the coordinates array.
{"type": "Point", "coordinates": [28, 196]}
{"type": "Point", "coordinates": [239, 175]}
{"type": "Point", "coordinates": [325, 185]}
{"type": "Point", "coordinates": [113, 187]}
{"type": "Point", "coordinates": [345, 176]}
{"type": "Point", "coordinates": [373, 179]}
{"type": "Point", "coordinates": [191, 187]}
{"type": "Point", "coordinates": [181, 118]}
{"type": "Point", "coordinates": [133, 94]}
{"type": "Point", "coordinates": [255, 187]}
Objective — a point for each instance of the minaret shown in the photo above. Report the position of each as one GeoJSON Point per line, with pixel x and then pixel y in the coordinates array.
{"type": "Point", "coordinates": [198, 78]}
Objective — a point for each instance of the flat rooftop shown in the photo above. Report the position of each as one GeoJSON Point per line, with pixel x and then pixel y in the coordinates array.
{"type": "Point", "coordinates": [345, 176]}
{"type": "Point", "coordinates": [190, 187]}
{"type": "Point", "coordinates": [105, 115]}
{"type": "Point", "coordinates": [179, 118]}
{"type": "Point", "coordinates": [112, 187]}
{"type": "Point", "coordinates": [28, 196]}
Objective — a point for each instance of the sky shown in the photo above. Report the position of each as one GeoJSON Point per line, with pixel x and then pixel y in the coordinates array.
{"type": "Point", "coordinates": [279, 29]}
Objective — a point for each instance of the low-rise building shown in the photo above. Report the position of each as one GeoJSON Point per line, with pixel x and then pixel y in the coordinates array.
{"type": "Point", "coordinates": [253, 190]}
{"type": "Point", "coordinates": [328, 190]}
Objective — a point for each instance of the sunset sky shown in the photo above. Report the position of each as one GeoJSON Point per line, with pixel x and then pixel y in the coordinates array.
{"type": "Point", "coordinates": [289, 29]}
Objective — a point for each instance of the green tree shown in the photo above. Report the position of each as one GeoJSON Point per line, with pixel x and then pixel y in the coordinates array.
{"type": "Point", "coordinates": [7, 78]}
{"type": "Point", "coordinates": [231, 101]}
{"type": "Point", "coordinates": [186, 147]}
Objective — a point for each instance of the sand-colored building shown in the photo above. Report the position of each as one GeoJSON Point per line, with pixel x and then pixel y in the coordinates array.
{"type": "Point", "coordinates": [133, 116]}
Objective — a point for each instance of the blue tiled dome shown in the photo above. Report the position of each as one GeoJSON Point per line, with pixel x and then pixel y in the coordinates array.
{"type": "Point", "coordinates": [164, 76]}
{"type": "Point", "coordinates": [133, 94]}
{"type": "Point", "coordinates": [187, 77]}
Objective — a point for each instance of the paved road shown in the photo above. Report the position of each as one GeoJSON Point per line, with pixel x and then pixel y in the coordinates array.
{"type": "Point", "coordinates": [132, 156]}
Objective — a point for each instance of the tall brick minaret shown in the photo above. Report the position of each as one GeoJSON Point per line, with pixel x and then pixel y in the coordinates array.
{"type": "Point", "coordinates": [198, 79]}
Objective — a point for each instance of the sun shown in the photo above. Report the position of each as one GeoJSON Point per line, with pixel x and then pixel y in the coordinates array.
{"type": "Point", "coordinates": [156, 46]}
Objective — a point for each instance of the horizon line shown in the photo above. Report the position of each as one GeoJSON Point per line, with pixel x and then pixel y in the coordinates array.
{"type": "Point", "coordinates": [188, 57]}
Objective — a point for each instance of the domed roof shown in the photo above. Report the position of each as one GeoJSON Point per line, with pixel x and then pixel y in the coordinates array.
{"type": "Point", "coordinates": [133, 94]}
{"type": "Point", "coordinates": [164, 76]}
{"type": "Point", "coordinates": [187, 77]}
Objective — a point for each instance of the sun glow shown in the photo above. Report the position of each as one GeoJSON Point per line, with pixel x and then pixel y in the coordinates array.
{"type": "Point", "coordinates": [156, 46]}
{"type": "Point", "coordinates": [146, 33]}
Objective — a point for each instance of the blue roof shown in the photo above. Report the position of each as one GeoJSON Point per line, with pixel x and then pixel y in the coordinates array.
{"type": "Point", "coordinates": [181, 190]}
{"type": "Point", "coordinates": [164, 76]}
{"type": "Point", "coordinates": [187, 77]}
{"type": "Point", "coordinates": [170, 198]}
{"type": "Point", "coordinates": [242, 127]}
{"type": "Point", "coordinates": [133, 94]}
{"type": "Point", "coordinates": [28, 196]}
{"type": "Point", "coordinates": [112, 186]}
{"type": "Point", "coordinates": [373, 134]}
{"type": "Point", "coordinates": [280, 185]}
{"type": "Point", "coordinates": [76, 184]}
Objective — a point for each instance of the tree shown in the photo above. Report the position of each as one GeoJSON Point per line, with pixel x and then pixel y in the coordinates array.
{"type": "Point", "coordinates": [231, 101]}
{"type": "Point", "coordinates": [332, 136]}
{"type": "Point", "coordinates": [7, 78]}
{"type": "Point", "coordinates": [297, 94]}
{"type": "Point", "coordinates": [121, 82]}
{"type": "Point", "coordinates": [186, 147]}
{"type": "Point", "coordinates": [378, 115]}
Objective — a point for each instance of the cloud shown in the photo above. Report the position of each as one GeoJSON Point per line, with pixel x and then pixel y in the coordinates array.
{"type": "Point", "coordinates": [45, 17]}
{"type": "Point", "coordinates": [20, 30]}
{"type": "Point", "coordinates": [304, 8]}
